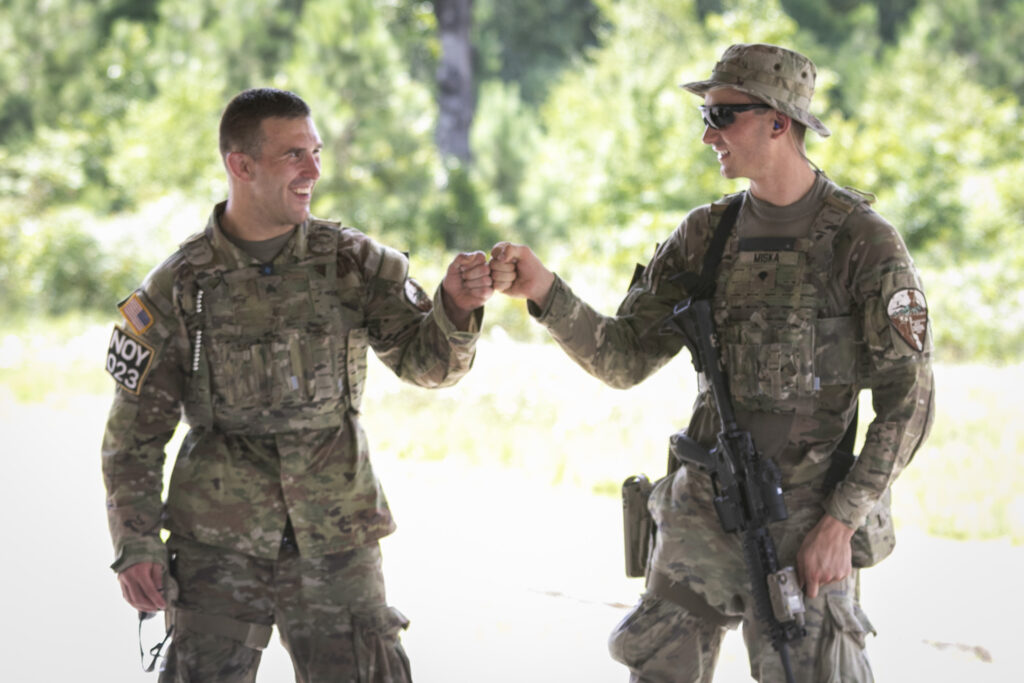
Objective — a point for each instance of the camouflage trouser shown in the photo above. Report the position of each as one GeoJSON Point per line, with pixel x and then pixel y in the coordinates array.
{"type": "Point", "coordinates": [330, 612]}
{"type": "Point", "coordinates": [662, 642]}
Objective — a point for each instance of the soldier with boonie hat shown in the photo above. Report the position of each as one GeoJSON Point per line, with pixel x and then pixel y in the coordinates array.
{"type": "Point", "coordinates": [814, 297]}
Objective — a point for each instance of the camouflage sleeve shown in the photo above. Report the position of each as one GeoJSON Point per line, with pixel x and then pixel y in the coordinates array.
{"type": "Point", "coordinates": [410, 332]}
{"type": "Point", "coordinates": [896, 366]}
{"type": "Point", "coordinates": [624, 349]}
{"type": "Point", "coordinates": [145, 357]}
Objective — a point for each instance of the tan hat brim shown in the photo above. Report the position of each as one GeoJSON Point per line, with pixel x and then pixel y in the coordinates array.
{"type": "Point", "coordinates": [701, 88]}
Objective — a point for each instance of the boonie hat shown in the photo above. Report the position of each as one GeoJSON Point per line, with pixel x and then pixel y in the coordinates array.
{"type": "Point", "coordinates": [781, 78]}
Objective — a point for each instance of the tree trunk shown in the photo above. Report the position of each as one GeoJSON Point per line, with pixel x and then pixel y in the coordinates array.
{"type": "Point", "coordinates": [455, 97]}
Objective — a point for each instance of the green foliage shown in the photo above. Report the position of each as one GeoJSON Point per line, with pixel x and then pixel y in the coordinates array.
{"type": "Point", "coordinates": [977, 307]}
{"type": "Point", "coordinates": [584, 146]}
{"type": "Point", "coordinates": [413, 26]}
{"type": "Point", "coordinates": [832, 22]}
{"type": "Point", "coordinates": [988, 34]}
{"type": "Point", "coordinates": [531, 43]}
{"type": "Point", "coordinates": [622, 160]}
{"type": "Point", "coordinates": [379, 162]}
{"type": "Point", "coordinates": [459, 218]}
{"type": "Point", "coordinates": [956, 153]}
{"type": "Point", "coordinates": [60, 266]}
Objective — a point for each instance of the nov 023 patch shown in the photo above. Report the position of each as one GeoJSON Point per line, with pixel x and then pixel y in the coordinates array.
{"type": "Point", "coordinates": [128, 360]}
{"type": "Point", "coordinates": [907, 311]}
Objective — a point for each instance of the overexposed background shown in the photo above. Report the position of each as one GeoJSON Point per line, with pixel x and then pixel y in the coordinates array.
{"type": "Point", "coordinates": [510, 567]}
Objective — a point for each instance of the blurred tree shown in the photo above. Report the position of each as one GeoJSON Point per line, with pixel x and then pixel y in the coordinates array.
{"type": "Point", "coordinates": [381, 168]}
{"type": "Point", "coordinates": [622, 143]}
{"type": "Point", "coordinates": [833, 21]}
{"type": "Point", "coordinates": [989, 34]}
{"type": "Point", "coordinates": [936, 168]}
{"type": "Point", "coordinates": [706, 7]}
{"type": "Point", "coordinates": [414, 28]}
{"type": "Point", "coordinates": [456, 91]}
{"type": "Point", "coordinates": [504, 138]}
{"type": "Point", "coordinates": [582, 142]}
{"type": "Point", "coordinates": [530, 44]}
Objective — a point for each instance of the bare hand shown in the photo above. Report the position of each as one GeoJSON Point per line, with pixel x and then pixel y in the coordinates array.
{"type": "Point", "coordinates": [825, 555]}
{"type": "Point", "coordinates": [466, 286]}
{"type": "Point", "coordinates": [519, 273]}
{"type": "Point", "coordinates": [142, 586]}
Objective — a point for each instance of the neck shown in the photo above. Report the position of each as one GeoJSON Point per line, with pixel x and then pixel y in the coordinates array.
{"type": "Point", "coordinates": [242, 222]}
{"type": "Point", "coordinates": [785, 184]}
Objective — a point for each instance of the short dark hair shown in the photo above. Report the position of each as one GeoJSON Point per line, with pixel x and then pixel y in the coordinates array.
{"type": "Point", "coordinates": [240, 123]}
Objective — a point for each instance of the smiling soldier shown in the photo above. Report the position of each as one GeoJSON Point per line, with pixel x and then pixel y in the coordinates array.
{"type": "Point", "coordinates": [256, 331]}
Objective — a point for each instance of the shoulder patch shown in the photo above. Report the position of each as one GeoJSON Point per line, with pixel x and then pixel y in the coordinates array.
{"type": "Point", "coordinates": [417, 296]}
{"type": "Point", "coordinates": [128, 360]}
{"type": "Point", "coordinates": [136, 313]}
{"type": "Point", "coordinates": [907, 312]}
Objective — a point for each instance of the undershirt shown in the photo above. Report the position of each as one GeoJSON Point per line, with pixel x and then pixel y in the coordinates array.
{"type": "Point", "coordinates": [764, 219]}
{"type": "Point", "coordinates": [263, 251]}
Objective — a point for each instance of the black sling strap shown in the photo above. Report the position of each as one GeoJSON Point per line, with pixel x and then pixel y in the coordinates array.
{"type": "Point", "coordinates": [703, 286]}
{"type": "Point", "coordinates": [843, 457]}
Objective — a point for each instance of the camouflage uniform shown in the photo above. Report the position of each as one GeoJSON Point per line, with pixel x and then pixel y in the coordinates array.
{"type": "Point", "coordinates": [814, 302]}
{"type": "Point", "coordinates": [266, 362]}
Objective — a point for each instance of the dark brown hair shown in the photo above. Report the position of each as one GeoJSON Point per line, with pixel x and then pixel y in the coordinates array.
{"type": "Point", "coordinates": [240, 123]}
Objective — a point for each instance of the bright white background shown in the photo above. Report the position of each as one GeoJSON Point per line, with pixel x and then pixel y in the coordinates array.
{"type": "Point", "coordinates": [505, 578]}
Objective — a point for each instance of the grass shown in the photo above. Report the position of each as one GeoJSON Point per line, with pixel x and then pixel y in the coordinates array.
{"type": "Point", "coordinates": [526, 407]}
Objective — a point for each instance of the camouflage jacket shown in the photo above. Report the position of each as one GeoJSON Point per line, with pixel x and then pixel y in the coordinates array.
{"type": "Point", "coordinates": [807, 321]}
{"type": "Point", "coordinates": [266, 363]}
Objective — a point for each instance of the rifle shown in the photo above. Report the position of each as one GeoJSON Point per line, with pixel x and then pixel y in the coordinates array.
{"type": "Point", "coordinates": [747, 489]}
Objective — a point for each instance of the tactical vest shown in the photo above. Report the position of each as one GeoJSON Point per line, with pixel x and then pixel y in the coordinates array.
{"type": "Point", "coordinates": [275, 347]}
{"type": "Point", "coordinates": [785, 333]}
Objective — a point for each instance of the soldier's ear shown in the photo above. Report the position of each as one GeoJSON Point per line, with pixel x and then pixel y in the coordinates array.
{"type": "Point", "coordinates": [239, 165]}
{"type": "Point", "coordinates": [780, 126]}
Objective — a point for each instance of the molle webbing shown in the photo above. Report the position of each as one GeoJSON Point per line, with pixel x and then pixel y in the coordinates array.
{"type": "Point", "coordinates": [784, 321]}
{"type": "Point", "coordinates": [318, 378]}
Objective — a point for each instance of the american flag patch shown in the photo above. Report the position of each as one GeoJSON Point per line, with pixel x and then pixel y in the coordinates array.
{"type": "Point", "coordinates": [136, 313]}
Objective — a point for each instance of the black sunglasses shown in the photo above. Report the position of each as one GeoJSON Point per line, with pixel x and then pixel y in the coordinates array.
{"type": "Point", "coordinates": [718, 116]}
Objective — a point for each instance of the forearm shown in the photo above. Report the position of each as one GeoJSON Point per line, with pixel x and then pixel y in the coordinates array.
{"type": "Point", "coordinates": [433, 352]}
{"type": "Point", "coordinates": [132, 466]}
{"type": "Point", "coordinates": [904, 409]}
{"type": "Point", "coordinates": [619, 350]}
